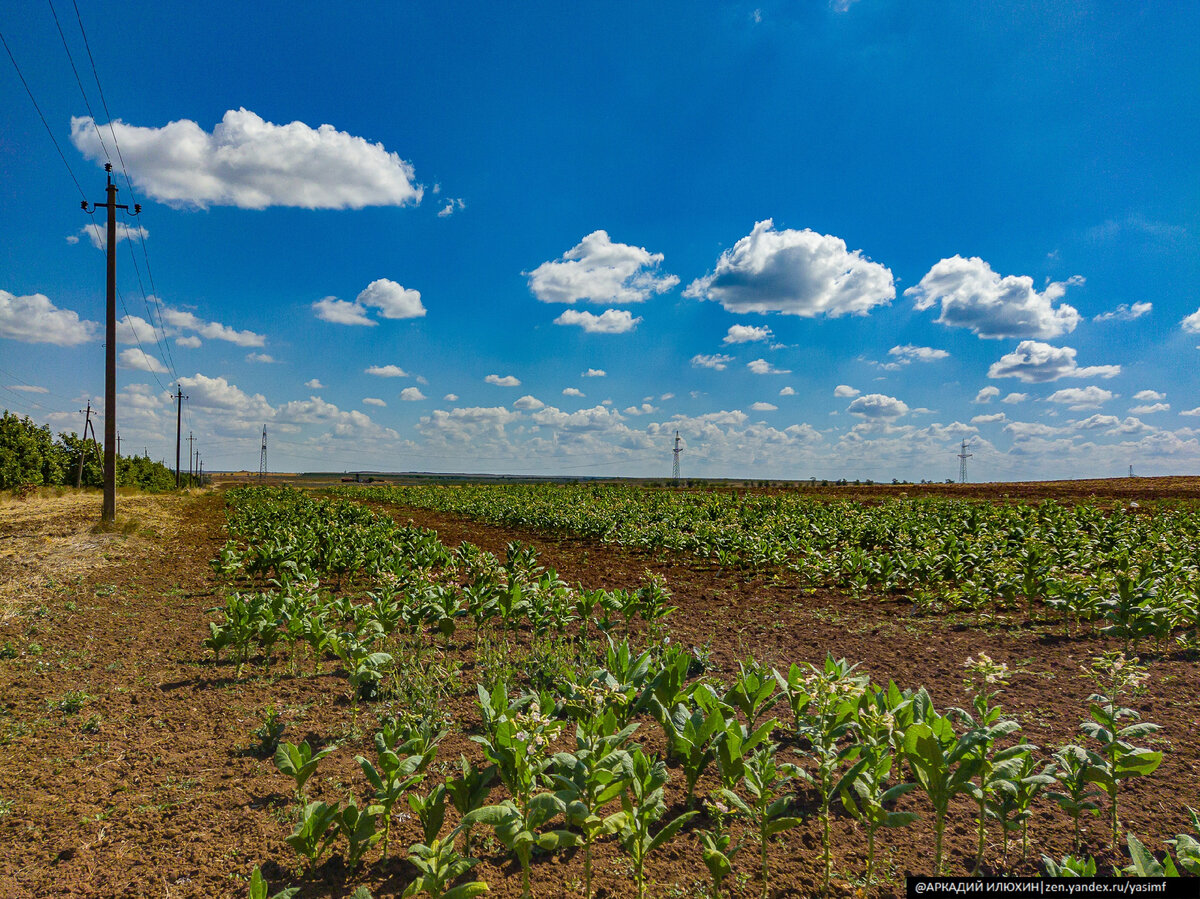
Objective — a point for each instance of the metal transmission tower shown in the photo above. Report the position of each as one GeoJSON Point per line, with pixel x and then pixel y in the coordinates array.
{"type": "Point", "coordinates": [963, 456]}
{"type": "Point", "coordinates": [262, 456]}
{"type": "Point", "coordinates": [675, 465]}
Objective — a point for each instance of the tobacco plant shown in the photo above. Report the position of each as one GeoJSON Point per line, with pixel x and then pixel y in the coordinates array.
{"type": "Point", "coordinates": [299, 762]}
{"type": "Point", "coordinates": [765, 780]}
{"type": "Point", "coordinates": [692, 734]}
{"type": "Point", "coordinates": [1076, 792]}
{"type": "Point", "coordinates": [258, 888]}
{"type": "Point", "coordinates": [1017, 785]}
{"type": "Point", "coordinates": [1117, 760]}
{"type": "Point", "coordinates": [468, 793]}
{"type": "Point", "coordinates": [439, 865]}
{"type": "Point", "coordinates": [359, 826]}
{"type": "Point", "coordinates": [316, 828]}
{"type": "Point", "coordinates": [642, 806]}
{"type": "Point", "coordinates": [716, 846]}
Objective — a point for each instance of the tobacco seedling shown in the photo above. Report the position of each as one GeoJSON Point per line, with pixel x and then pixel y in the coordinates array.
{"type": "Point", "coordinates": [1070, 866]}
{"type": "Point", "coordinates": [1017, 786]}
{"type": "Point", "coordinates": [258, 888]}
{"type": "Point", "coordinates": [1076, 791]}
{"type": "Point", "coordinates": [315, 830]}
{"type": "Point", "coordinates": [430, 811]}
{"type": "Point", "coordinates": [299, 762]}
{"type": "Point", "coordinates": [468, 793]}
{"type": "Point", "coordinates": [360, 829]}
{"type": "Point", "coordinates": [269, 732]}
{"type": "Point", "coordinates": [717, 848]}
{"type": "Point", "coordinates": [754, 691]}
{"type": "Point", "coordinates": [692, 734]}
{"type": "Point", "coordinates": [438, 865]}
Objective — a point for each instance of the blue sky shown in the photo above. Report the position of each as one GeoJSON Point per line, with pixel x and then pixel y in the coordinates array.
{"type": "Point", "coordinates": [817, 239]}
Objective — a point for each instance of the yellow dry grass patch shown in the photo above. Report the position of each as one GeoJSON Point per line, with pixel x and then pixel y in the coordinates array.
{"type": "Point", "coordinates": [53, 536]}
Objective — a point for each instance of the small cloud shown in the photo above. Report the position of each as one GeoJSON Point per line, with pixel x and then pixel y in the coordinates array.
{"type": "Point", "coordinates": [373, 401]}
{"type": "Point", "coordinates": [763, 367]}
{"type": "Point", "coordinates": [411, 394]}
{"type": "Point", "coordinates": [610, 321]}
{"type": "Point", "coordinates": [763, 407]}
{"type": "Point", "coordinates": [1034, 362]}
{"type": "Point", "coordinates": [747, 334]}
{"type": "Point", "coordinates": [788, 391]}
{"type": "Point", "coordinates": [386, 371]}
{"type": "Point", "coordinates": [191, 341]}
{"type": "Point", "coordinates": [717, 362]}
{"type": "Point", "coordinates": [451, 397]}
{"type": "Point", "coordinates": [26, 388]}
{"type": "Point", "coordinates": [1192, 412]}
{"type": "Point", "coordinates": [1191, 323]}
{"type": "Point", "coordinates": [341, 312]}
{"type": "Point", "coordinates": [452, 206]}
{"type": "Point", "coordinates": [1125, 313]}
{"type": "Point", "coordinates": [391, 299]}
{"type": "Point", "coordinates": [140, 360]}
{"type": "Point", "coordinates": [643, 409]}
{"type": "Point", "coordinates": [529, 403]}
{"type": "Point", "coordinates": [909, 353]}
{"type": "Point", "coordinates": [505, 381]}
{"type": "Point", "coordinates": [1150, 408]}
{"type": "Point", "coordinates": [594, 373]}
{"type": "Point", "coordinates": [845, 390]}
{"type": "Point", "coordinates": [1081, 398]}
{"type": "Point", "coordinates": [877, 405]}
{"type": "Point", "coordinates": [1149, 396]}
{"type": "Point", "coordinates": [572, 391]}
{"type": "Point", "coordinates": [597, 270]}
{"type": "Point", "coordinates": [986, 395]}
{"type": "Point", "coordinates": [260, 357]}
{"type": "Point", "coordinates": [1014, 398]}
{"type": "Point", "coordinates": [667, 396]}
{"type": "Point", "coordinates": [995, 417]}
{"type": "Point", "coordinates": [314, 384]}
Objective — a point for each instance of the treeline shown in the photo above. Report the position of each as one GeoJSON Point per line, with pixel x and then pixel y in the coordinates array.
{"type": "Point", "coordinates": [31, 455]}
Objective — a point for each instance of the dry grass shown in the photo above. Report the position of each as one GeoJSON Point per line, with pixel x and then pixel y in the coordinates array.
{"type": "Point", "coordinates": [53, 536]}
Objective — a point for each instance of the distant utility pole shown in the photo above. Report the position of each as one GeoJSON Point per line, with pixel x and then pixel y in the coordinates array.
{"type": "Point", "coordinates": [118, 444]}
{"type": "Point", "coordinates": [675, 463]}
{"type": "Point", "coordinates": [109, 509]}
{"type": "Point", "coordinates": [963, 456]}
{"type": "Point", "coordinates": [87, 426]}
{"type": "Point", "coordinates": [191, 465]}
{"type": "Point", "coordinates": [1131, 471]}
{"type": "Point", "coordinates": [262, 456]}
{"type": "Point", "coordinates": [200, 468]}
{"type": "Point", "coordinates": [179, 398]}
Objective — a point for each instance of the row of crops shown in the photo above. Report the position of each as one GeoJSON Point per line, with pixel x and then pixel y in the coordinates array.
{"type": "Point", "coordinates": [593, 735]}
{"type": "Point", "coordinates": [1133, 571]}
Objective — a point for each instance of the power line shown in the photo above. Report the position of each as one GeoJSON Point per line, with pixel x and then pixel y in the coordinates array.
{"type": "Point", "coordinates": [78, 80]}
{"type": "Point", "coordinates": [61, 155]}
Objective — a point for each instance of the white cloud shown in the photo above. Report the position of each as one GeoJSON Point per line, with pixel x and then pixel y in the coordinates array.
{"type": "Point", "coordinates": [386, 371]}
{"type": "Point", "coordinates": [763, 367]}
{"type": "Point", "coordinates": [845, 390]}
{"type": "Point", "coordinates": [453, 205]}
{"type": "Point", "coordinates": [1124, 313]}
{"type": "Point", "coordinates": [1024, 430]}
{"type": "Point", "coordinates": [643, 409]}
{"type": "Point", "coordinates": [529, 403]}
{"type": "Point", "coordinates": [1034, 363]}
{"type": "Point", "coordinates": [788, 391]}
{"type": "Point", "coordinates": [187, 321]}
{"type": "Point", "coordinates": [411, 395]}
{"type": "Point", "coordinates": [451, 397]}
{"type": "Point", "coordinates": [1191, 323]}
{"type": "Point", "coordinates": [763, 407]}
{"type": "Point", "coordinates": [572, 391]}
{"type": "Point", "coordinates": [877, 405]}
{"type": "Point", "coordinates": [392, 300]}
{"type": "Point", "coordinates": [34, 319]}
{"type": "Point", "coordinates": [505, 381]}
{"type": "Point", "coordinates": [1080, 398]}
{"type": "Point", "coordinates": [134, 329]}
{"type": "Point", "coordinates": [374, 401]}
{"type": "Point", "coordinates": [993, 418]}
{"type": "Point", "coordinates": [718, 362]}
{"type": "Point", "coordinates": [973, 296]}
{"type": "Point", "coordinates": [191, 341]}
{"type": "Point", "coordinates": [909, 353]}
{"type": "Point", "coordinates": [1149, 396]}
{"type": "Point", "coordinates": [1014, 398]}
{"type": "Point", "coordinates": [1095, 422]}
{"type": "Point", "coordinates": [217, 393]}
{"type": "Point", "coordinates": [342, 312]}
{"type": "Point", "coordinates": [611, 321]}
{"type": "Point", "coordinates": [795, 273]}
{"type": "Point", "coordinates": [596, 270]}
{"type": "Point", "coordinates": [1150, 408]}
{"type": "Point", "coordinates": [986, 395]}
{"type": "Point", "coordinates": [667, 396]}
{"type": "Point", "coordinates": [260, 357]}
{"type": "Point", "coordinates": [462, 426]}
{"type": "Point", "coordinates": [98, 234]}
{"type": "Point", "coordinates": [1195, 411]}
{"type": "Point", "coordinates": [747, 334]}
{"type": "Point", "coordinates": [314, 384]}
{"type": "Point", "coordinates": [250, 163]}
{"type": "Point", "coordinates": [138, 359]}
{"type": "Point", "coordinates": [594, 373]}
{"type": "Point", "coordinates": [27, 388]}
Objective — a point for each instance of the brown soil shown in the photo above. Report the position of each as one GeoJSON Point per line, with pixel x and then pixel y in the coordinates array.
{"type": "Point", "coordinates": [150, 787]}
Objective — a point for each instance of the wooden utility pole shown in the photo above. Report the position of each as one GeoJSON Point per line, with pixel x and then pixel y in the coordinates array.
{"type": "Point", "coordinates": [191, 464]}
{"type": "Point", "coordinates": [109, 509]}
{"type": "Point", "coordinates": [87, 426]}
{"type": "Point", "coordinates": [179, 398]}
